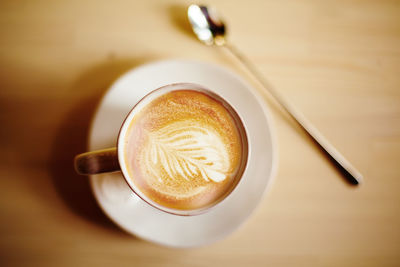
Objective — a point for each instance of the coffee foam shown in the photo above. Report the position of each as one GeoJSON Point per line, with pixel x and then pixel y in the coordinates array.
{"type": "Point", "coordinates": [183, 149]}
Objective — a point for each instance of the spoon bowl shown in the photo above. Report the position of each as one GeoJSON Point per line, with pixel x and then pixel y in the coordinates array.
{"type": "Point", "coordinates": [207, 25]}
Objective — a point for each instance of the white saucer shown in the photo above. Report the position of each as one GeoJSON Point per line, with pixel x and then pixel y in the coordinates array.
{"type": "Point", "coordinates": [142, 220]}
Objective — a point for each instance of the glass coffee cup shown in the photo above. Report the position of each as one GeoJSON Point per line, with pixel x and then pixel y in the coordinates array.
{"type": "Point", "coordinates": [182, 149]}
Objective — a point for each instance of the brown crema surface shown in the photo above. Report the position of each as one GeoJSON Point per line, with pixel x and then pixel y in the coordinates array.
{"type": "Point", "coordinates": [184, 150]}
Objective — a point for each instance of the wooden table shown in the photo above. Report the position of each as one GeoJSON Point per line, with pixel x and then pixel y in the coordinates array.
{"type": "Point", "coordinates": [338, 61]}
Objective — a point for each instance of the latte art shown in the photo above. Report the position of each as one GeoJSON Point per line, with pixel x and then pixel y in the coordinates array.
{"type": "Point", "coordinates": [182, 149]}
{"type": "Point", "coordinates": [185, 150]}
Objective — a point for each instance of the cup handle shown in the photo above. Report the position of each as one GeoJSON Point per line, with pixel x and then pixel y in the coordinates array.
{"type": "Point", "coordinates": [99, 161]}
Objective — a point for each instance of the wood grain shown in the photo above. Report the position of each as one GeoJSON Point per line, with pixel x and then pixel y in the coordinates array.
{"type": "Point", "coordinates": [337, 61]}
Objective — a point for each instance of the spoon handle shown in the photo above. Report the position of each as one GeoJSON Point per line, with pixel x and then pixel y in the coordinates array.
{"type": "Point", "coordinates": [349, 172]}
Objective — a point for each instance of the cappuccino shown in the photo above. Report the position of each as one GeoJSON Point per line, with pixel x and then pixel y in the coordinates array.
{"type": "Point", "coordinates": [186, 149]}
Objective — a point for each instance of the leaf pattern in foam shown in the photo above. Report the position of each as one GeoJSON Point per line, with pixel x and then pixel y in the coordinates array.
{"type": "Point", "coordinates": [187, 150]}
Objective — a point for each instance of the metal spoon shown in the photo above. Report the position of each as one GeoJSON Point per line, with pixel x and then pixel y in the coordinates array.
{"type": "Point", "coordinates": [211, 30]}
